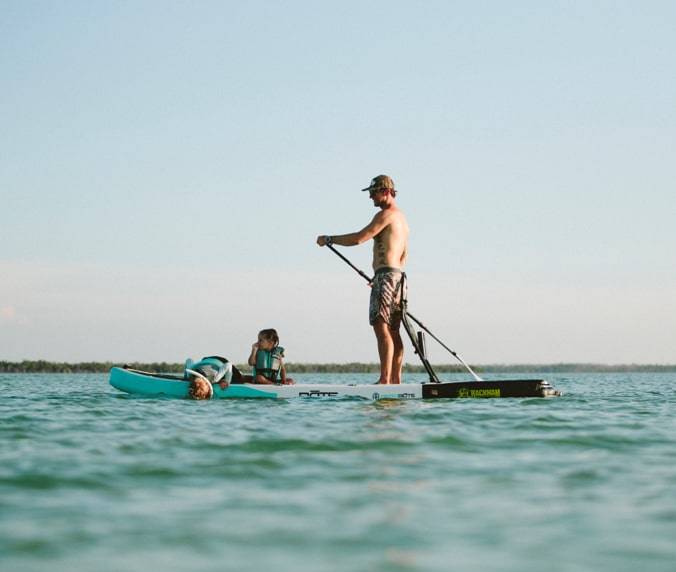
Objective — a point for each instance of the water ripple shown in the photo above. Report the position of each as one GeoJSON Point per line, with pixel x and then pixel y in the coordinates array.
{"type": "Point", "coordinates": [93, 479]}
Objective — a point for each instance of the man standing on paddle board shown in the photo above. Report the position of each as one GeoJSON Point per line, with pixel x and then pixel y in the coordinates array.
{"type": "Point", "coordinates": [389, 231]}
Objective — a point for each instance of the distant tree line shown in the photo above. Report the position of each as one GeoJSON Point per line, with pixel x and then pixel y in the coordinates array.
{"type": "Point", "coordinates": [42, 366]}
{"type": "Point", "coordinates": [486, 368]}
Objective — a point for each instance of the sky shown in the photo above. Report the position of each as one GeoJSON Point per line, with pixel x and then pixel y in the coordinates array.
{"type": "Point", "coordinates": [165, 169]}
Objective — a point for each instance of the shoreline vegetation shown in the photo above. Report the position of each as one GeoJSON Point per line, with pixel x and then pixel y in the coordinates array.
{"type": "Point", "coordinates": [42, 366]}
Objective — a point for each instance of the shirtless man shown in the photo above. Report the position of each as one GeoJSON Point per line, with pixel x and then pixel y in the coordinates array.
{"type": "Point", "coordinates": [389, 231]}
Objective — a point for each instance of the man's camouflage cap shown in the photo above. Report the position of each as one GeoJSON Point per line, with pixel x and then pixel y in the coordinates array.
{"type": "Point", "coordinates": [380, 182]}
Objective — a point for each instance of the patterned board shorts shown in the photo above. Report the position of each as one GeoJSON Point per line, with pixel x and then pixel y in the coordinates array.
{"type": "Point", "coordinates": [386, 295]}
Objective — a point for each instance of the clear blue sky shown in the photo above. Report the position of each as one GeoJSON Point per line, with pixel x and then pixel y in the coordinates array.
{"type": "Point", "coordinates": [165, 168]}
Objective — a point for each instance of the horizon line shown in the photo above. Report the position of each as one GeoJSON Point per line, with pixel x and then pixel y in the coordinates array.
{"type": "Point", "coordinates": [48, 366]}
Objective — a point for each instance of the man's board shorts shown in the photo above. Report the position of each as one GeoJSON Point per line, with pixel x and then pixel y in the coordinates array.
{"type": "Point", "coordinates": [387, 290]}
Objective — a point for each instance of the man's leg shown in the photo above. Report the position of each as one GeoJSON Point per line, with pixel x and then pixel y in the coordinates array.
{"type": "Point", "coordinates": [385, 349]}
{"type": "Point", "coordinates": [397, 356]}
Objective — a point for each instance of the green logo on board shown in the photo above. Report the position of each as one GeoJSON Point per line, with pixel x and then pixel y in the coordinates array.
{"type": "Point", "coordinates": [466, 392]}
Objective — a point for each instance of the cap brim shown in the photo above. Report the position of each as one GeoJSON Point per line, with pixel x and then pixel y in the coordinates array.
{"type": "Point", "coordinates": [367, 189]}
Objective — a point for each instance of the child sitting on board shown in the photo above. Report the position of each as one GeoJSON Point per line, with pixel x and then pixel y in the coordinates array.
{"type": "Point", "coordinates": [267, 361]}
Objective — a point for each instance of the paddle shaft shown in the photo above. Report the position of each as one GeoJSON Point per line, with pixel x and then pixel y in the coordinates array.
{"type": "Point", "coordinates": [360, 272]}
{"type": "Point", "coordinates": [442, 344]}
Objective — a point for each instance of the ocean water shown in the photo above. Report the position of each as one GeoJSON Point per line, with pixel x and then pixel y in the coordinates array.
{"type": "Point", "coordinates": [92, 479]}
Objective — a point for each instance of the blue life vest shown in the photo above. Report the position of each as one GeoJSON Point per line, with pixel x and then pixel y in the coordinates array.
{"type": "Point", "coordinates": [268, 363]}
{"type": "Point", "coordinates": [214, 368]}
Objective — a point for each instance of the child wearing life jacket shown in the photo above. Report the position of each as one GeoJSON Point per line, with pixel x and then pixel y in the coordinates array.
{"type": "Point", "coordinates": [267, 360]}
{"type": "Point", "coordinates": [207, 372]}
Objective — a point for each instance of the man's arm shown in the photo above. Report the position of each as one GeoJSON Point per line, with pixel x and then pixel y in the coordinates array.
{"type": "Point", "coordinates": [377, 224]}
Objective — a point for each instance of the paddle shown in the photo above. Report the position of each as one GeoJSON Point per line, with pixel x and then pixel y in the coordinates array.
{"type": "Point", "coordinates": [405, 309]}
{"type": "Point", "coordinates": [360, 272]}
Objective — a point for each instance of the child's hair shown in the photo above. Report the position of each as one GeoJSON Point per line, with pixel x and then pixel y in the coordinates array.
{"type": "Point", "coordinates": [200, 388]}
{"type": "Point", "coordinates": [270, 335]}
